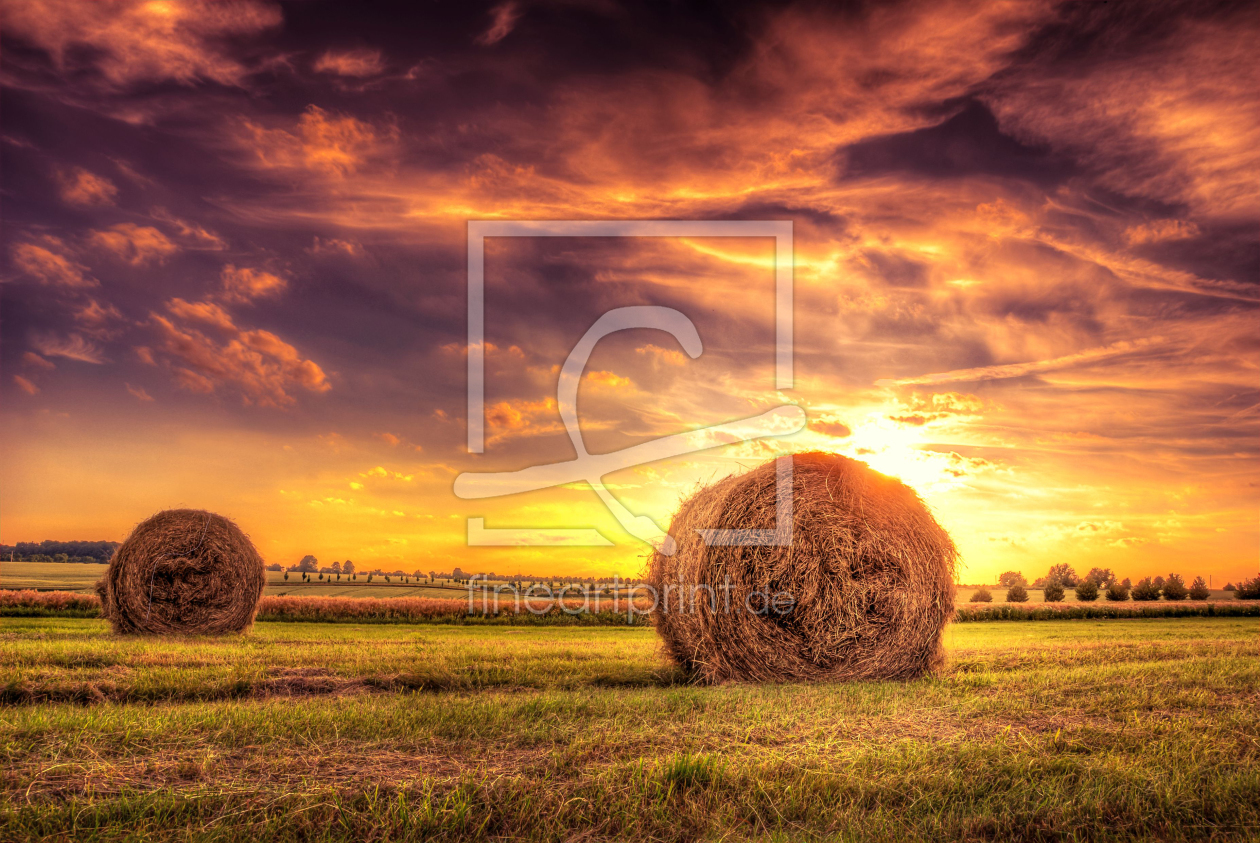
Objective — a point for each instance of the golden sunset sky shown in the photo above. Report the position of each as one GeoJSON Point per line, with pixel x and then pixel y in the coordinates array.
{"type": "Point", "coordinates": [1026, 266]}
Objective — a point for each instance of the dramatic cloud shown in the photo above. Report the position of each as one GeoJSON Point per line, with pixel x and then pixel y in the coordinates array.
{"type": "Point", "coordinates": [98, 320]}
{"type": "Point", "coordinates": [1025, 263]}
{"type": "Point", "coordinates": [80, 187]}
{"type": "Point", "coordinates": [323, 142]}
{"type": "Point", "coordinates": [263, 368]}
{"type": "Point", "coordinates": [246, 284]}
{"type": "Point", "coordinates": [504, 17]}
{"type": "Point", "coordinates": [134, 244]}
{"type": "Point", "coordinates": [132, 41]}
{"type": "Point", "coordinates": [47, 261]}
{"type": "Point", "coordinates": [355, 63]}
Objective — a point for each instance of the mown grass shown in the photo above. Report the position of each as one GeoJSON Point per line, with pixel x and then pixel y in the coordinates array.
{"type": "Point", "coordinates": [1112, 729]}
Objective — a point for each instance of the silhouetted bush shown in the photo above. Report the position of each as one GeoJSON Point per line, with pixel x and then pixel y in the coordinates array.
{"type": "Point", "coordinates": [1248, 589]}
{"type": "Point", "coordinates": [981, 595]}
{"type": "Point", "coordinates": [1199, 589]}
{"type": "Point", "coordinates": [1087, 591]}
{"type": "Point", "coordinates": [1118, 591]}
{"type": "Point", "coordinates": [1053, 592]}
{"type": "Point", "coordinates": [1145, 590]}
{"type": "Point", "coordinates": [1017, 594]}
{"type": "Point", "coordinates": [1175, 588]}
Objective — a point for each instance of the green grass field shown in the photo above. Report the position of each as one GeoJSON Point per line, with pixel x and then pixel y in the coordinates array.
{"type": "Point", "coordinates": [1118, 729]}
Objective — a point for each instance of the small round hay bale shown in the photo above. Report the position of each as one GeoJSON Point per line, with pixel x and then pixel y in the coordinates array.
{"type": "Point", "coordinates": [869, 571]}
{"type": "Point", "coordinates": [184, 572]}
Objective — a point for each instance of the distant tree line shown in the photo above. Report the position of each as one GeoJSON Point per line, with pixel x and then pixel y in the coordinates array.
{"type": "Point", "coordinates": [1101, 581]}
{"type": "Point", "coordinates": [51, 551]}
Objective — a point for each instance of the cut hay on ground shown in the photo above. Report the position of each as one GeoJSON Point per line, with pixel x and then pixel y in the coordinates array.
{"type": "Point", "coordinates": [184, 572]}
{"type": "Point", "coordinates": [869, 570]}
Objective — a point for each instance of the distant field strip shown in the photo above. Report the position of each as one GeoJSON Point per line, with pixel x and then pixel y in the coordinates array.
{"type": "Point", "coordinates": [607, 612]}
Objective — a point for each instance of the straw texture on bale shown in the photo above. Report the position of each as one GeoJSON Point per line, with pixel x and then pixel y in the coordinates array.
{"type": "Point", "coordinates": [184, 572]}
{"type": "Point", "coordinates": [869, 572]}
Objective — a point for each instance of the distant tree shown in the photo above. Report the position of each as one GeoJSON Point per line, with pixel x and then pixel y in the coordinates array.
{"type": "Point", "coordinates": [1248, 589]}
{"type": "Point", "coordinates": [1127, 583]}
{"type": "Point", "coordinates": [308, 565]}
{"type": "Point", "coordinates": [1087, 590]}
{"type": "Point", "coordinates": [1011, 578]}
{"type": "Point", "coordinates": [286, 576]}
{"type": "Point", "coordinates": [1017, 594]}
{"type": "Point", "coordinates": [336, 567]}
{"type": "Point", "coordinates": [1175, 588]}
{"type": "Point", "coordinates": [275, 566]}
{"type": "Point", "coordinates": [1053, 592]}
{"type": "Point", "coordinates": [1158, 582]}
{"type": "Point", "coordinates": [1145, 590]}
{"type": "Point", "coordinates": [339, 578]}
{"type": "Point", "coordinates": [1101, 577]}
{"type": "Point", "coordinates": [321, 576]}
{"type": "Point", "coordinates": [1199, 589]}
{"type": "Point", "coordinates": [369, 579]}
{"type": "Point", "coordinates": [1118, 591]}
{"type": "Point", "coordinates": [981, 595]}
{"type": "Point", "coordinates": [1063, 574]}
{"type": "Point", "coordinates": [1229, 586]}
{"type": "Point", "coordinates": [387, 578]}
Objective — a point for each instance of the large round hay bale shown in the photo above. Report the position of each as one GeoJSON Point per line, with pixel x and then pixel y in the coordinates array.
{"type": "Point", "coordinates": [184, 572]}
{"type": "Point", "coordinates": [869, 573]}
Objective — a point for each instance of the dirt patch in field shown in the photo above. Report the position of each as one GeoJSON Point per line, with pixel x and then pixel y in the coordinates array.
{"type": "Point", "coordinates": [294, 682]}
{"type": "Point", "coordinates": [349, 769]}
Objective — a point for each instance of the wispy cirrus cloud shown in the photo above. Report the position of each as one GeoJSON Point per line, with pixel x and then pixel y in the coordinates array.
{"type": "Point", "coordinates": [1018, 370]}
{"type": "Point", "coordinates": [71, 347]}
{"type": "Point", "coordinates": [354, 63]}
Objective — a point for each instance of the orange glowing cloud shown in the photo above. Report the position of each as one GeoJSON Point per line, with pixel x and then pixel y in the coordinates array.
{"type": "Point", "coordinates": [142, 40]}
{"type": "Point", "coordinates": [322, 142]}
{"type": "Point", "coordinates": [134, 244]}
{"type": "Point", "coordinates": [49, 264]}
{"type": "Point", "coordinates": [258, 364]}
{"type": "Point", "coordinates": [246, 284]}
{"type": "Point", "coordinates": [355, 63]}
{"type": "Point", "coordinates": [25, 385]}
{"type": "Point", "coordinates": [80, 187]}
